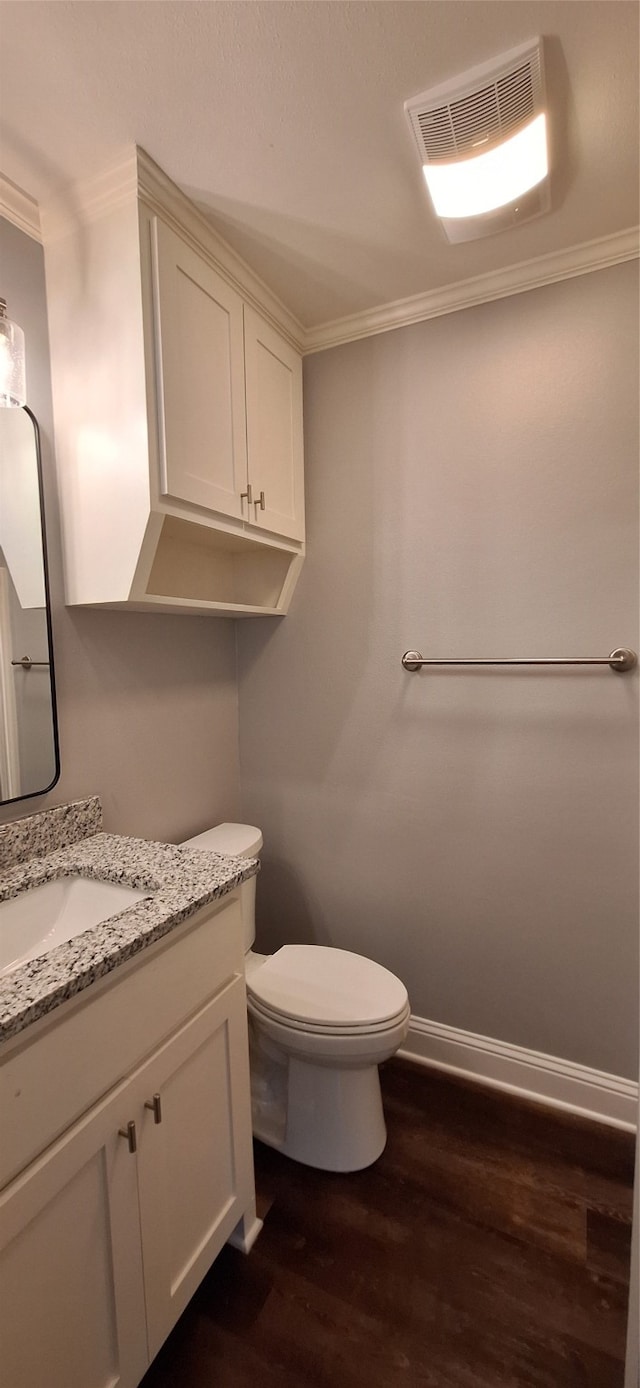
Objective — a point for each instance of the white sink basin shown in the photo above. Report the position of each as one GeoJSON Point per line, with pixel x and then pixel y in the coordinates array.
{"type": "Point", "coordinates": [37, 920]}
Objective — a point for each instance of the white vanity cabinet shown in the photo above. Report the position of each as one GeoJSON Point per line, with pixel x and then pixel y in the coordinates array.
{"type": "Point", "coordinates": [72, 1304]}
{"type": "Point", "coordinates": [177, 392]}
{"type": "Point", "coordinates": [195, 1173]}
{"type": "Point", "coordinates": [106, 1235]}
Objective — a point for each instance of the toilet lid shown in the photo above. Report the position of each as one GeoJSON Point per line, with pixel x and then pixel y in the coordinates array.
{"type": "Point", "coordinates": [330, 987]}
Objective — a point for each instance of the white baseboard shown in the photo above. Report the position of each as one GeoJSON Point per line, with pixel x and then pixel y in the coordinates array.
{"type": "Point", "coordinates": [543, 1078]}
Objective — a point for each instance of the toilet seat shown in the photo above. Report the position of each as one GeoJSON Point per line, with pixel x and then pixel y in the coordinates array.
{"type": "Point", "coordinates": [319, 989]}
{"type": "Point", "coordinates": [283, 1019]}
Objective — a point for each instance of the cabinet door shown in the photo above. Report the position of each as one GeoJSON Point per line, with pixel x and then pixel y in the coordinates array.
{"type": "Point", "coordinates": [72, 1311]}
{"type": "Point", "coordinates": [199, 378]}
{"type": "Point", "coordinates": [195, 1165]}
{"type": "Point", "coordinates": [274, 428]}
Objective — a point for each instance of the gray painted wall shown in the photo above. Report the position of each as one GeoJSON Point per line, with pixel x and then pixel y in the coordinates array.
{"type": "Point", "coordinates": [472, 490]}
{"type": "Point", "coordinates": [147, 704]}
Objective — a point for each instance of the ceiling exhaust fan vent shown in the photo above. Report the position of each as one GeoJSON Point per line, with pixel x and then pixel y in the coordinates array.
{"type": "Point", "coordinates": [474, 114]}
{"type": "Point", "coordinates": [479, 109]}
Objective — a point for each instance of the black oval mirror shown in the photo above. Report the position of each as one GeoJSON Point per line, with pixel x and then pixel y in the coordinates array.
{"type": "Point", "coordinates": [29, 754]}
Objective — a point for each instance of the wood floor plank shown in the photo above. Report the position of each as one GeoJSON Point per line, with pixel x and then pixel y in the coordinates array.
{"type": "Point", "coordinates": [442, 1262]}
{"type": "Point", "coordinates": [487, 1248]}
{"type": "Point", "coordinates": [555, 1151]}
{"type": "Point", "coordinates": [608, 1246]}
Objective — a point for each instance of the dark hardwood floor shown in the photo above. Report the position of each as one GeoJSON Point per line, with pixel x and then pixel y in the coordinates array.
{"type": "Point", "coordinates": [487, 1248]}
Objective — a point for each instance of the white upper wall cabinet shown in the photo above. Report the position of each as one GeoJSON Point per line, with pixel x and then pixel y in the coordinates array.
{"type": "Point", "coordinates": [200, 378]}
{"type": "Point", "coordinates": [177, 389]}
{"type": "Point", "coordinates": [273, 374]}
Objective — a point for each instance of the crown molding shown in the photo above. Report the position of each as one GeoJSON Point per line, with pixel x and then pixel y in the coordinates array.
{"type": "Point", "coordinates": [136, 174]}
{"type": "Point", "coordinates": [19, 208]}
{"type": "Point", "coordinates": [91, 198]}
{"type": "Point", "coordinates": [498, 284]}
{"type": "Point", "coordinates": [165, 199]}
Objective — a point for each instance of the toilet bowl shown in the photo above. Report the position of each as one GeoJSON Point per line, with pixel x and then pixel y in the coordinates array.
{"type": "Point", "coordinates": [321, 1021]}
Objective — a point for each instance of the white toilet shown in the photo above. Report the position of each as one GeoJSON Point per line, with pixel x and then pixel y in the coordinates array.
{"type": "Point", "coordinates": [321, 1021]}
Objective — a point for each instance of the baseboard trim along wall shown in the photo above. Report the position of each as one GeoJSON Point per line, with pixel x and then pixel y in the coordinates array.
{"type": "Point", "coordinates": [532, 1075]}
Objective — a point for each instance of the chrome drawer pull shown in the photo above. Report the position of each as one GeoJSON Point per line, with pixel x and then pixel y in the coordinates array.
{"type": "Point", "coordinates": [130, 1133]}
{"type": "Point", "coordinates": [155, 1104]}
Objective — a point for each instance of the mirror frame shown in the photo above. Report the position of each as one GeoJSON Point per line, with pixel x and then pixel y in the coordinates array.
{"type": "Point", "coordinates": [15, 799]}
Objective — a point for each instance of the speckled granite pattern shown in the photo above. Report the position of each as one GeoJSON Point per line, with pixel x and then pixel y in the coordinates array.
{"type": "Point", "coordinates": [181, 880]}
{"type": "Point", "coordinates": [48, 830]}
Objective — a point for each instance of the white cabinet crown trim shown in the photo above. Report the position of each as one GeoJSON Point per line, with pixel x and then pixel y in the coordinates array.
{"type": "Point", "coordinates": [136, 174]}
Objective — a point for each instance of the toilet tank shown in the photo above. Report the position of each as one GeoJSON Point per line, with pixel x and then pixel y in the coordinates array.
{"type": "Point", "coordinates": [240, 841]}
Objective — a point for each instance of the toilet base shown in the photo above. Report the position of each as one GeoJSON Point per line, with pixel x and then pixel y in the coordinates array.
{"type": "Point", "coordinates": [334, 1119]}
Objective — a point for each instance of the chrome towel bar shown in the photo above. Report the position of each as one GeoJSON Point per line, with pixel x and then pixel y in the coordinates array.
{"type": "Point", "coordinates": [620, 660]}
{"type": "Point", "coordinates": [27, 663]}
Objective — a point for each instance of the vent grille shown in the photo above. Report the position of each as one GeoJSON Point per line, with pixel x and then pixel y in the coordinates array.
{"type": "Point", "coordinates": [481, 116]}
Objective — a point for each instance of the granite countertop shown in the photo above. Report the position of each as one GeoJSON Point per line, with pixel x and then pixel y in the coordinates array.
{"type": "Point", "coordinates": [181, 880]}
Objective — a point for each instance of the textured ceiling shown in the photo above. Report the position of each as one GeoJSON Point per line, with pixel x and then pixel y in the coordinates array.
{"type": "Point", "coordinates": [284, 121]}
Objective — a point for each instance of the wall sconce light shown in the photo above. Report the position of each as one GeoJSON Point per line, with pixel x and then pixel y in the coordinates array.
{"type": "Point", "coordinates": [13, 390]}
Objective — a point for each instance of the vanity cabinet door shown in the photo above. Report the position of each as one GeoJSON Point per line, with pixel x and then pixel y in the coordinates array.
{"type": "Point", "coordinates": [199, 378]}
{"type": "Point", "coordinates": [274, 428]}
{"type": "Point", "coordinates": [195, 1165]}
{"type": "Point", "coordinates": [71, 1288]}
